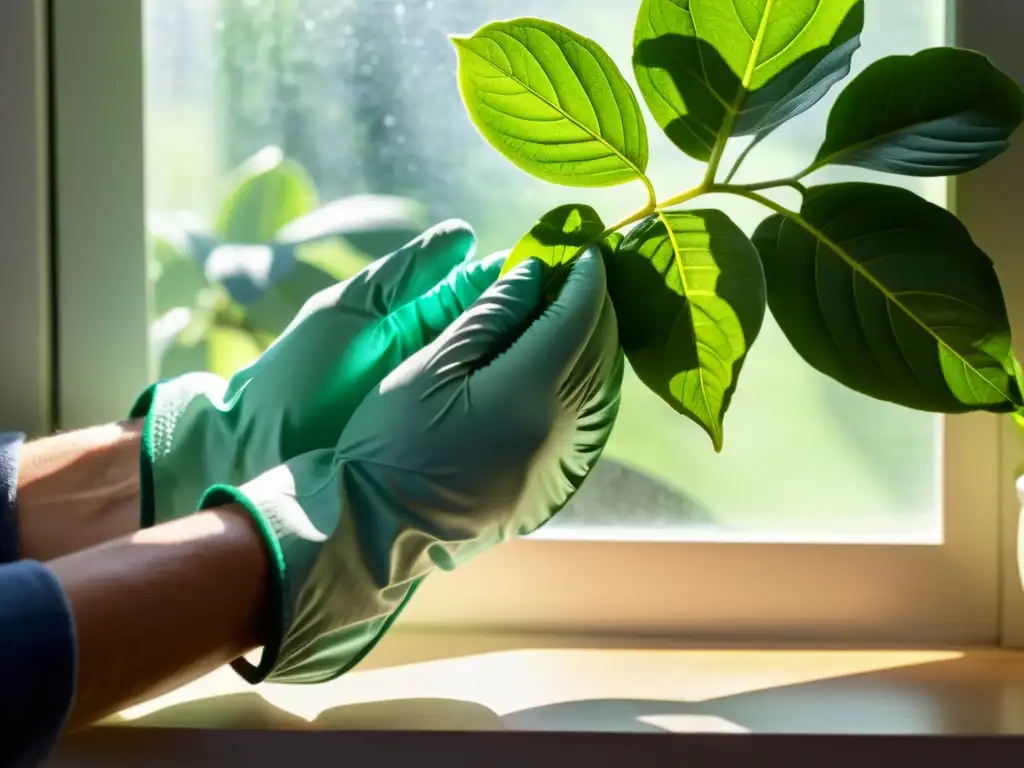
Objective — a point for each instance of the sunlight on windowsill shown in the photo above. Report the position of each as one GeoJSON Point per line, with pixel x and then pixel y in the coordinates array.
{"type": "Point", "coordinates": [531, 688]}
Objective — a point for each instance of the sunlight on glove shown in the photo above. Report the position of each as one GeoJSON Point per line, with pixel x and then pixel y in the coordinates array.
{"type": "Point", "coordinates": [483, 435]}
{"type": "Point", "coordinates": [298, 396]}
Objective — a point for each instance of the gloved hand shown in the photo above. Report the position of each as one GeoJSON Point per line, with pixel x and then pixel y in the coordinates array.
{"type": "Point", "coordinates": [482, 435]}
{"type": "Point", "coordinates": [298, 396]}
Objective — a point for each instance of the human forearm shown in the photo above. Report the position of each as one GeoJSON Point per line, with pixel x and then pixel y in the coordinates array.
{"type": "Point", "coordinates": [78, 489]}
{"type": "Point", "coordinates": [162, 607]}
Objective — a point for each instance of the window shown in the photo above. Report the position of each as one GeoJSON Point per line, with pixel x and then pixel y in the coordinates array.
{"type": "Point", "coordinates": [828, 515]}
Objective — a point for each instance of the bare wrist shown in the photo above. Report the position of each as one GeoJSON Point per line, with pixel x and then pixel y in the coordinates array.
{"type": "Point", "coordinates": [77, 489]}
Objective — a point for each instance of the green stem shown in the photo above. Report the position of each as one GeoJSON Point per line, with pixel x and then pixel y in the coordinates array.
{"type": "Point", "coordinates": [634, 217]}
{"type": "Point", "coordinates": [685, 197]}
{"type": "Point", "coordinates": [792, 181]}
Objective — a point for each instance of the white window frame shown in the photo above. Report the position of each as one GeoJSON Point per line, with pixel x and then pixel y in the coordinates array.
{"type": "Point", "coordinates": [964, 591]}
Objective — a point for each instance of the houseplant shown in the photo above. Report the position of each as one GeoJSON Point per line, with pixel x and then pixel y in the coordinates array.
{"type": "Point", "coordinates": [873, 286]}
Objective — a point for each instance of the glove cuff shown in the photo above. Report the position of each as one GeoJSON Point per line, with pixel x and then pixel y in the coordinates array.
{"type": "Point", "coordinates": [163, 406]}
{"type": "Point", "coordinates": [321, 623]}
{"type": "Point", "coordinates": [277, 576]}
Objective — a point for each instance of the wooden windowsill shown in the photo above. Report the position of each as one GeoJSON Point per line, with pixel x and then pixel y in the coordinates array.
{"type": "Point", "coordinates": [428, 686]}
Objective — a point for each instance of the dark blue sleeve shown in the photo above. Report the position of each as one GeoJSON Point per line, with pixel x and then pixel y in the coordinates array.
{"type": "Point", "coordinates": [37, 662]}
{"type": "Point", "coordinates": [37, 638]}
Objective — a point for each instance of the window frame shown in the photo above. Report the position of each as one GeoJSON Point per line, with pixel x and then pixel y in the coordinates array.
{"type": "Point", "coordinates": [963, 591]}
{"type": "Point", "coordinates": [25, 270]}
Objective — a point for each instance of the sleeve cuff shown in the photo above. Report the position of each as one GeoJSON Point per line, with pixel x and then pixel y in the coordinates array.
{"type": "Point", "coordinates": [10, 449]}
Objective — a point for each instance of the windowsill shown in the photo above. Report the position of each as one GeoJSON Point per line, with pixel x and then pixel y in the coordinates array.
{"type": "Point", "coordinates": [417, 682]}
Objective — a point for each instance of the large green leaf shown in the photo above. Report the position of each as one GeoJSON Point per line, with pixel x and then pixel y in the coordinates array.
{"type": "Point", "coordinates": [711, 69]}
{"type": "Point", "coordinates": [888, 294]}
{"type": "Point", "coordinates": [268, 192]}
{"type": "Point", "coordinates": [553, 102]}
{"type": "Point", "coordinates": [940, 112]}
{"type": "Point", "coordinates": [689, 294]}
{"type": "Point", "coordinates": [558, 236]}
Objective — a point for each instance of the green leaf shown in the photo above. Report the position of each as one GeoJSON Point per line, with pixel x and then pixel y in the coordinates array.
{"type": "Point", "coordinates": [553, 103]}
{"type": "Point", "coordinates": [712, 69]}
{"type": "Point", "coordinates": [940, 112]}
{"type": "Point", "coordinates": [269, 192]}
{"type": "Point", "coordinates": [888, 294]}
{"type": "Point", "coordinates": [558, 237]}
{"type": "Point", "coordinates": [689, 294]}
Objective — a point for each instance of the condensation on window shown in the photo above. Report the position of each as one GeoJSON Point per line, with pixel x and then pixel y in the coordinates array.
{"type": "Point", "coordinates": [364, 94]}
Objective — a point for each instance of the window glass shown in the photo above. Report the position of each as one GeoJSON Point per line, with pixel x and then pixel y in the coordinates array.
{"type": "Point", "coordinates": [361, 95]}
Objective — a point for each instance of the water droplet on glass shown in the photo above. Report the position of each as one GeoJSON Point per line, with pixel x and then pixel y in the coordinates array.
{"type": "Point", "coordinates": [389, 121]}
{"type": "Point", "coordinates": [348, 30]}
{"type": "Point", "coordinates": [430, 5]}
{"type": "Point", "coordinates": [399, 10]}
{"type": "Point", "coordinates": [310, 25]}
{"type": "Point", "coordinates": [365, 69]}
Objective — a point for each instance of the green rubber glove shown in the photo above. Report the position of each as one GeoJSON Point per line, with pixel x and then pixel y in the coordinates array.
{"type": "Point", "coordinates": [298, 396]}
{"type": "Point", "coordinates": [481, 436]}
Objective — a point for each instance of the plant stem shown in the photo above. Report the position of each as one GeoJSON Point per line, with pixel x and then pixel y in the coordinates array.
{"type": "Point", "coordinates": [792, 181]}
{"type": "Point", "coordinates": [742, 190]}
{"type": "Point", "coordinates": [750, 194]}
{"type": "Point", "coordinates": [634, 217]}
{"type": "Point", "coordinates": [685, 197]}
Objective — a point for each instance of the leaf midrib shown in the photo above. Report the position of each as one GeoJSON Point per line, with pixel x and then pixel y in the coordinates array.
{"type": "Point", "coordinates": [733, 110]}
{"type": "Point", "coordinates": [890, 297]}
{"type": "Point", "coordinates": [714, 425]}
{"type": "Point", "coordinates": [596, 136]}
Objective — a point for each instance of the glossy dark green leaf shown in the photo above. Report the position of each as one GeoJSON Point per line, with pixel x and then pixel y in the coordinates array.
{"type": "Point", "coordinates": [558, 236]}
{"type": "Point", "coordinates": [711, 69]}
{"type": "Point", "coordinates": [888, 294]}
{"type": "Point", "coordinates": [268, 192]}
{"type": "Point", "coordinates": [553, 102]}
{"type": "Point", "coordinates": [940, 112]}
{"type": "Point", "coordinates": [689, 294]}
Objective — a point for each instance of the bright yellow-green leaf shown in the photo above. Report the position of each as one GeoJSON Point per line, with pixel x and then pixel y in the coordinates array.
{"type": "Point", "coordinates": [553, 102]}
{"type": "Point", "coordinates": [558, 237]}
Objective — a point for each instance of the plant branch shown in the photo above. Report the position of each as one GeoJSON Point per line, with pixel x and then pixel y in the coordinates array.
{"type": "Point", "coordinates": [687, 196]}
{"type": "Point", "coordinates": [750, 194]}
{"type": "Point", "coordinates": [792, 181]}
